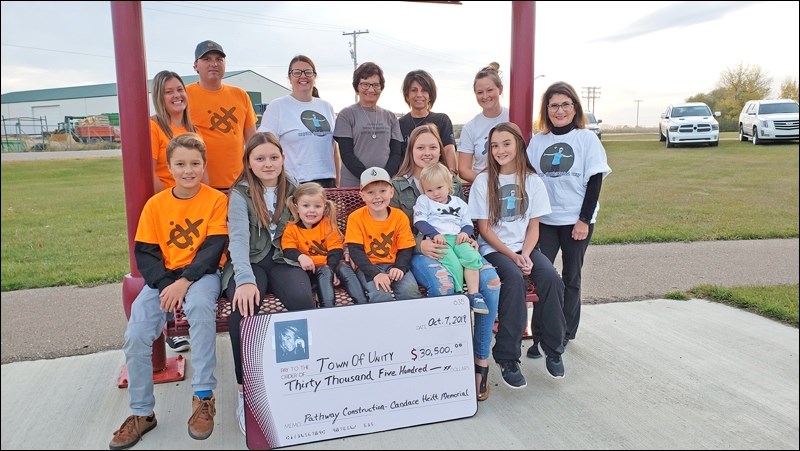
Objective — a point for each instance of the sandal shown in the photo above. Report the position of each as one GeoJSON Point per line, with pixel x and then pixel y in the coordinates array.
{"type": "Point", "coordinates": [483, 387]}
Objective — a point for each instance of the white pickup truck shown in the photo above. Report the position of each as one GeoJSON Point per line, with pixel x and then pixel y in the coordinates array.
{"type": "Point", "coordinates": [689, 123]}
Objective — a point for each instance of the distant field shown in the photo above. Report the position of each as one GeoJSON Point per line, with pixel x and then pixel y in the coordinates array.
{"type": "Point", "coordinates": [63, 222]}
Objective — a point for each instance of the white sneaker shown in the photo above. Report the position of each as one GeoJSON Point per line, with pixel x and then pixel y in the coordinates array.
{"type": "Point", "coordinates": [240, 413]}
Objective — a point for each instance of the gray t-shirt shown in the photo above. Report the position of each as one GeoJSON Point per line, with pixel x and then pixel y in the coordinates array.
{"type": "Point", "coordinates": [371, 129]}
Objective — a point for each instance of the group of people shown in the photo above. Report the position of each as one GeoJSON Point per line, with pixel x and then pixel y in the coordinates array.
{"type": "Point", "coordinates": [275, 231]}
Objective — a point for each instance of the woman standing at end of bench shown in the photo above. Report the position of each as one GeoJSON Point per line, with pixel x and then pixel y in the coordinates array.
{"type": "Point", "coordinates": [257, 216]}
{"type": "Point", "coordinates": [425, 149]}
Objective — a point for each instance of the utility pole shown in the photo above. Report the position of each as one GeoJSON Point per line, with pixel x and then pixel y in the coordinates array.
{"type": "Point", "coordinates": [591, 93]}
{"type": "Point", "coordinates": [353, 51]}
{"type": "Point", "coordinates": [638, 101]}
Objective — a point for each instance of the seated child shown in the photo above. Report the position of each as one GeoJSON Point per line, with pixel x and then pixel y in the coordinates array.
{"type": "Point", "coordinates": [445, 220]}
{"type": "Point", "coordinates": [380, 241]}
{"type": "Point", "coordinates": [312, 239]}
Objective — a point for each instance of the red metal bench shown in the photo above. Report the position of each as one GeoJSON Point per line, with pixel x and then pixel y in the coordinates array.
{"type": "Point", "coordinates": [166, 370]}
{"type": "Point", "coordinates": [346, 200]}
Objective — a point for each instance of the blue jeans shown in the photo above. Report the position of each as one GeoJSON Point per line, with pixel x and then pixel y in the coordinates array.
{"type": "Point", "coordinates": [439, 282]}
{"type": "Point", "coordinates": [146, 324]}
{"type": "Point", "coordinates": [405, 288]}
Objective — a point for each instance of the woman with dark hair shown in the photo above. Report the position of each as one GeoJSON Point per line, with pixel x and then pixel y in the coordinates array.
{"type": "Point", "coordinates": [368, 135]}
{"type": "Point", "coordinates": [304, 125]}
{"type": "Point", "coordinates": [419, 92]}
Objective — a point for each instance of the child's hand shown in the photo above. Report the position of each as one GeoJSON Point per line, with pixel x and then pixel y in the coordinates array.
{"type": "Point", "coordinates": [172, 297]}
{"type": "Point", "coordinates": [306, 263]}
{"type": "Point", "coordinates": [439, 239]}
{"type": "Point", "coordinates": [245, 299]}
{"type": "Point", "coordinates": [336, 281]}
{"type": "Point", "coordinates": [395, 274]}
{"type": "Point", "coordinates": [383, 282]}
{"type": "Point", "coordinates": [462, 238]}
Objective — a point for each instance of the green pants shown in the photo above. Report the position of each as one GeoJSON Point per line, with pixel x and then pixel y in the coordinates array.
{"type": "Point", "coordinates": [458, 257]}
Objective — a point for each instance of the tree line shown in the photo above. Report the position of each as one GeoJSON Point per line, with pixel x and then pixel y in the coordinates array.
{"type": "Point", "coordinates": [736, 86]}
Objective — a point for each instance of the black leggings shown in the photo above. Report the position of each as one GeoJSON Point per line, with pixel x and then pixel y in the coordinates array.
{"type": "Point", "coordinates": [288, 283]}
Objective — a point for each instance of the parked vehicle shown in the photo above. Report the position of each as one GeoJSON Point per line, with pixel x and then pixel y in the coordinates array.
{"type": "Point", "coordinates": [689, 123]}
{"type": "Point", "coordinates": [768, 120]}
{"type": "Point", "coordinates": [593, 124]}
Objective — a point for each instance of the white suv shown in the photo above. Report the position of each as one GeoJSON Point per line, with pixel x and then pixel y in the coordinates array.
{"type": "Point", "coordinates": [689, 123]}
{"type": "Point", "coordinates": [763, 120]}
{"type": "Point", "coordinates": [593, 124]}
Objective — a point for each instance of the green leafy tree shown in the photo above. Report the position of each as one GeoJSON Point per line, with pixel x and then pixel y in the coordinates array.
{"type": "Point", "coordinates": [738, 85]}
{"type": "Point", "coordinates": [789, 89]}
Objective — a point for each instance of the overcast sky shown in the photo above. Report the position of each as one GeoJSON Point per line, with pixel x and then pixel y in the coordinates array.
{"type": "Point", "coordinates": [657, 52]}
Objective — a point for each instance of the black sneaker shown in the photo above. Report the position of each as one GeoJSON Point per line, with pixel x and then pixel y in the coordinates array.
{"type": "Point", "coordinates": [533, 351]}
{"type": "Point", "coordinates": [511, 373]}
{"type": "Point", "coordinates": [178, 344]}
{"type": "Point", "coordinates": [555, 366]}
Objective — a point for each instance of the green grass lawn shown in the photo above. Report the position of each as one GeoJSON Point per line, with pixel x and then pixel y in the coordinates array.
{"type": "Point", "coordinates": [778, 302]}
{"type": "Point", "coordinates": [63, 222]}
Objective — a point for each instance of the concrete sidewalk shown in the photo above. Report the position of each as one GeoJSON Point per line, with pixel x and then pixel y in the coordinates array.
{"type": "Point", "coordinates": [656, 374]}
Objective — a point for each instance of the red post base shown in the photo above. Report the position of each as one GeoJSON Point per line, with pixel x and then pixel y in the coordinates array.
{"type": "Point", "coordinates": [164, 369]}
{"type": "Point", "coordinates": [174, 371]}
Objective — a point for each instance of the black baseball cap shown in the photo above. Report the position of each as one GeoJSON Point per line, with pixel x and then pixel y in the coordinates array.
{"type": "Point", "coordinates": [205, 47]}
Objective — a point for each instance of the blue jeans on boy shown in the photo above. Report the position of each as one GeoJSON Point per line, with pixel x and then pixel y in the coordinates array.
{"type": "Point", "coordinates": [439, 282]}
{"type": "Point", "coordinates": [146, 324]}
{"type": "Point", "coordinates": [405, 288]}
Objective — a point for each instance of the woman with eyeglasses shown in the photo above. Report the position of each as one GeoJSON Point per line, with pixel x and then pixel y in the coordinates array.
{"type": "Point", "coordinates": [304, 125]}
{"type": "Point", "coordinates": [473, 149]}
{"type": "Point", "coordinates": [368, 135]}
{"type": "Point", "coordinates": [572, 162]}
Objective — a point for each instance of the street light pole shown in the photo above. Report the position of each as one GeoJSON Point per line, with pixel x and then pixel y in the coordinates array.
{"type": "Point", "coordinates": [638, 101]}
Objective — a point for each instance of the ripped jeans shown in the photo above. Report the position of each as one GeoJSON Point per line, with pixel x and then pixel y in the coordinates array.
{"type": "Point", "coordinates": [437, 280]}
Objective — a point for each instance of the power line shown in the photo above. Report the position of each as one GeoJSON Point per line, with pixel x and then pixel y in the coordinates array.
{"type": "Point", "coordinates": [353, 50]}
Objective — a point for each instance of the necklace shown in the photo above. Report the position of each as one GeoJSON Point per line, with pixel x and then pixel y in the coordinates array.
{"type": "Point", "coordinates": [421, 120]}
{"type": "Point", "coordinates": [373, 126]}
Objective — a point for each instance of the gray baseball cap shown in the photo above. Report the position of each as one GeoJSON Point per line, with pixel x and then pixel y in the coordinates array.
{"type": "Point", "coordinates": [205, 47]}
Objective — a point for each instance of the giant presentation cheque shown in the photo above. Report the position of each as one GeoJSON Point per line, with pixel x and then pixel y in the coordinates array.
{"type": "Point", "coordinates": [330, 373]}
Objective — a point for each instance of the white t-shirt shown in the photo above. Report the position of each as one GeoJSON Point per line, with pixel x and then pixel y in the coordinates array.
{"type": "Point", "coordinates": [512, 227]}
{"type": "Point", "coordinates": [565, 163]}
{"type": "Point", "coordinates": [475, 138]}
{"type": "Point", "coordinates": [447, 219]}
{"type": "Point", "coordinates": [305, 130]}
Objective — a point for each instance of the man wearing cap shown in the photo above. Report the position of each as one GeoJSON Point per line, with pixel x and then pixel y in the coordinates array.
{"type": "Point", "coordinates": [380, 241]}
{"type": "Point", "coordinates": [223, 115]}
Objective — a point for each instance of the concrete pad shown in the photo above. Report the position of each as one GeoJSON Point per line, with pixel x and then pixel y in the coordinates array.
{"type": "Point", "coordinates": [641, 375]}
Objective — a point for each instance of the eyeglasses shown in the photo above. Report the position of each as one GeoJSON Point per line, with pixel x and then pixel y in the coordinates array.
{"type": "Point", "coordinates": [365, 86]}
{"type": "Point", "coordinates": [566, 106]}
{"type": "Point", "coordinates": [297, 73]}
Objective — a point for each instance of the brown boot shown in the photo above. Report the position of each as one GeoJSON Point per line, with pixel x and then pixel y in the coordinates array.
{"type": "Point", "coordinates": [201, 423]}
{"type": "Point", "coordinates": [132, 431]}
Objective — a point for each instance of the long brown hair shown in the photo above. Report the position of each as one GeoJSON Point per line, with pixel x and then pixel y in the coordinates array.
{"type": "Point", "coordinates": [407, 166]}
{"type": "Point", "coordinates": [162, 116]}
{"type": "Point", "coordinates": [255, 184]}
{"type": "Point", "coordinates": [312, 189]}
{"type": "Point", "coordinates": [523, 168]}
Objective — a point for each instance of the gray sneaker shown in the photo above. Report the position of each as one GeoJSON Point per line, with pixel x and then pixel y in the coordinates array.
{"type": "Point", "coordinates": [511, 373]}
{"type": "Point", "coordinates": [478, 303]}
{"type": "Point", "coordinates": [555, 366]}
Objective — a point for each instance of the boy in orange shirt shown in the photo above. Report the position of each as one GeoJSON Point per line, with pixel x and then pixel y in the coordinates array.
{"type": "Point", "coordinates": [179, 242]}
{"type": "Point", "coordinates": [380, 241]}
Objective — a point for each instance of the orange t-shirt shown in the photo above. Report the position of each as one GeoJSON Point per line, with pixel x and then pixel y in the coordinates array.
{"type": "Point", "coordinates": [315, 242]}
{"type": "Point", "coordinates": [180, 226]}
{"type": "Point", "coordinates": [220, 118]}
{"type": "Point", "coordinates": [158, 145]}
{"type": "Point", "coordinates": [381, 239]}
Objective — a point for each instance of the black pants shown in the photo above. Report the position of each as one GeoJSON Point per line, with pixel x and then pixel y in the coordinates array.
{"type": "Point", "coordinates": [323, 279]}
{"type": "Point", "coordinates": [288, 283]}
{"type": "Point", "coordinates": [326, 183]}
{"type": "Point", "coordinates": [512, 312]}
{"type": "Point", "coordinates": [551, 239]}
